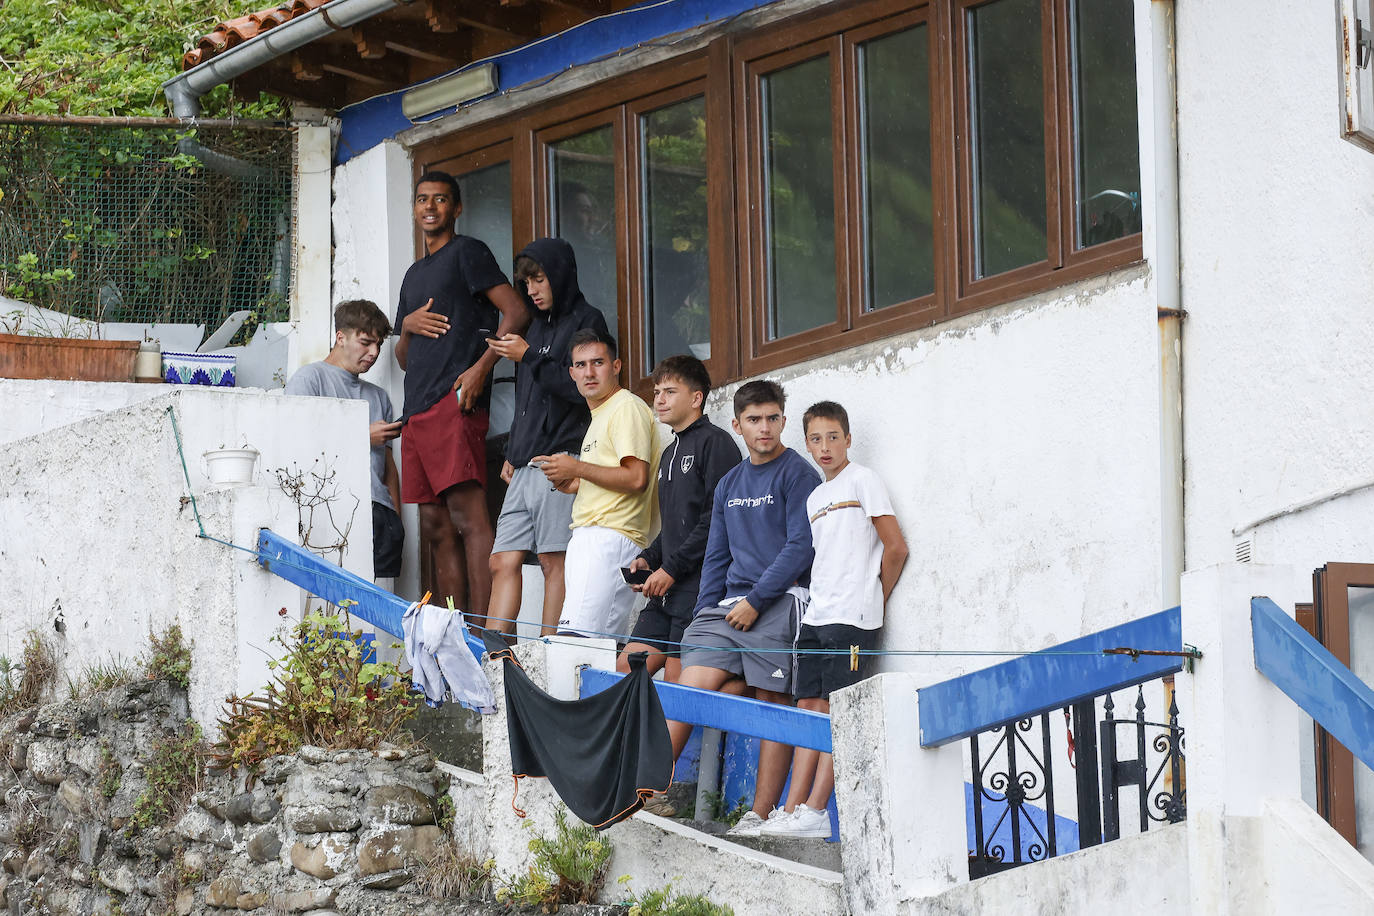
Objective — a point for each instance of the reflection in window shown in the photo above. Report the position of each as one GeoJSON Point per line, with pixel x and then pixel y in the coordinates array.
{"type": "Point", "coordinates": [799, 187]}
{"type": "Point", "coordinates": [677, 289]}
{"type": "Point", "coordinates": [1107, 152]}
{"type": "Point", "coordinates": [486, 210]}
{"type": "Point", "coordinates": [582, 204]}
{"type": "Point", "coordinates": [1007, 117]}
{"type": "Point", "coordinates": [899, 253]}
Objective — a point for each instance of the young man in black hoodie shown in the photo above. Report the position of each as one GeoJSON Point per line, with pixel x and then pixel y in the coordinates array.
{"type": "Point", "coordinates": [550, 417]}
{"type": "Point", "coordinates": [688, 472]}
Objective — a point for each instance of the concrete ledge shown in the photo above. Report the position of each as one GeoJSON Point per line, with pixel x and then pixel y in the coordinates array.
{"type": "Point", "coordinates": [658, 850]}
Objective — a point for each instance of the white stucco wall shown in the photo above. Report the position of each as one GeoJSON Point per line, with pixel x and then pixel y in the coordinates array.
{"type": "Point", "coordinates": [1019, 448]}
{"type": "Point", "coordinates": [95, 531]}
{"type": "Point", "coordinates": [1278, 283]}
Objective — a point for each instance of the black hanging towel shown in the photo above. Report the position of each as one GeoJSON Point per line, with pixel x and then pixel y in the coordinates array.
{"type": "Point", "coordinates": [604, 755]}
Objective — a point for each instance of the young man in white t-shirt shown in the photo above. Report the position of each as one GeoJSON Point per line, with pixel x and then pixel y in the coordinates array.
{"type": "Point", "coordinates": [860, 553]}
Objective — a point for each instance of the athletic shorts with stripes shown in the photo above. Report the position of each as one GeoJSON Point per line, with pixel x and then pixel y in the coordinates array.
{"type": "Point", "coordinates": [762, 654]}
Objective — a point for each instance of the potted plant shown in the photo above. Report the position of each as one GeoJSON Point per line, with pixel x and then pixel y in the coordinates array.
{"type": "Point", "coordinates": [38, 343]}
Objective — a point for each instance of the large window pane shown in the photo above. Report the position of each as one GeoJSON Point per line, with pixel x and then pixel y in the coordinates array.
{"type": "Point", "coordinates": [1107, 191]}
{"type": "Point", "coordinates": [486, 210]}
{"type": "Point", "coordinates": [582, 198]}
{"type": "Point", "coordinates": [899, 254]}
{"type": "Point", "coordinates": [677, 288]}
{"type": "Point", "coordinates": [799, 188]}
{"type": "Point", "coordinates": [1006, 98]}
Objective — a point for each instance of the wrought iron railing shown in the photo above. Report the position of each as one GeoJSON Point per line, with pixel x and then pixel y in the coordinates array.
{"type": "Point", "coordinates": [1014, 813]}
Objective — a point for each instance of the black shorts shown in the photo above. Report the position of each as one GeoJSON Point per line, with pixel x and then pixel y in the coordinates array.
{"type": "Point", "coordinates": [657, 627]}
{"type": "Point", "coordinates": [387, 539]}
{"type": "Point", "coordinates": [820, 674]}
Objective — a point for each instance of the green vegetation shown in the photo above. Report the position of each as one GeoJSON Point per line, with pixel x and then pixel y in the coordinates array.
{"type": "Point", "coordinates": [454, 874]}
{"type": "Point", "coordinates": [174, 769]}
{"type": "Point", "coordinates": [24, 685]}
{"type": "Point", "coordinates": [663, 902]}
{"type": "Point", "coordinates": [169, 656]}
{"type": "Point", "coordinates": [109, 57]}
{"type": "Point", "coordinates": [570, 867]}
{"type": "Point", "coordinates": [111, 774]}
{"type": "Point", "coordinates": [100, 676]}
{"type": "Point", "coordinates": [324, 693]}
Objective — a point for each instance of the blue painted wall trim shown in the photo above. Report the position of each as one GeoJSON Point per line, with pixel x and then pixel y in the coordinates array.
{"type": "Point", "coordinates": [295, 564]}
{"type": "Point", "coordinates": [1313, 678]}
{"type": "Point", "coordinates": [366, 124]}
{"type": "Point", "coordinates": [769, 721]}
{"type": "Point", "coordinates": [1033, 684]}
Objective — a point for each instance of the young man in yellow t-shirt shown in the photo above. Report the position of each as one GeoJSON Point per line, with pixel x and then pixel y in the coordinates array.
{"type": "Point", "coordinates": [613, 478]}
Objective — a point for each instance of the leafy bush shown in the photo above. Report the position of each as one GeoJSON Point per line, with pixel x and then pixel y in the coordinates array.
{"type": "Point", "coordinates": [570, 867]}
{"type": "Point", "coordinates": [324, 693]}
{"type": "Point", "coordinates": [169, 656]}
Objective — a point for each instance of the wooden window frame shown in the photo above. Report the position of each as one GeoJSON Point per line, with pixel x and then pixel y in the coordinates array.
{"type": "Point", "coordinates": [1335, 765]}
{"type": "Point", "coordinates": [727, 73]}
{"type": "Point", "coordinates": [641, 366]}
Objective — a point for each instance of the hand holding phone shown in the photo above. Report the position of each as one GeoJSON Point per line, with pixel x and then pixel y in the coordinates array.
{"type": "Point", "coordinates": [634, 576]}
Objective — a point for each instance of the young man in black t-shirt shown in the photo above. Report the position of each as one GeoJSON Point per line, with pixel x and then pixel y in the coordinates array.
{"type": "Point", "coordinates": [451, 301]}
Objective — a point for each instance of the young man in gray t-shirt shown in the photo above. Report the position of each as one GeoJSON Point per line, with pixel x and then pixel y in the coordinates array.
{"type": "Point", "coordinates": [359, 329]}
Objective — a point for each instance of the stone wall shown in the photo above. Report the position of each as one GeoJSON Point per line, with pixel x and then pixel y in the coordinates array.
{"type": "Point", "coordinates": [318, 832]}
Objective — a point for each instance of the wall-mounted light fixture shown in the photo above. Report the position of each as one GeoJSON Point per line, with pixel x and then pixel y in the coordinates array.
{"type": "Point", "coordinates": [448, 91]}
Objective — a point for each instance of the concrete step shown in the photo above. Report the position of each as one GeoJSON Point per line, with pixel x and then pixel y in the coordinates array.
{"type": "Point", "coordinates": [818, 853]}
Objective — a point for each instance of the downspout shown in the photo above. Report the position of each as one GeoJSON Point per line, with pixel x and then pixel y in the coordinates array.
{"type": "Point", "coordinates": [185, 90]}
{"type": "Point", "coordinates": [1168, 287]}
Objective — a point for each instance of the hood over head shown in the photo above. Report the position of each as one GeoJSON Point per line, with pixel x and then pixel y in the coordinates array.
{"type": "Point", "coordinates": [560, 266]}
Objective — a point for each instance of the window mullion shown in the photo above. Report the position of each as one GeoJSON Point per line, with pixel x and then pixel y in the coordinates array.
{"type": "Point", "coordinates": [1056, 177]}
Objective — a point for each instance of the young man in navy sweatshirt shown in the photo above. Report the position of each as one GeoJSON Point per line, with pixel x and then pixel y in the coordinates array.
{"type": "Point", "coordinates": [551, 417]}
{"type": "Point", "coordinates": [700, 455]}
{"type": "Point", "coordinates": [753, 581]}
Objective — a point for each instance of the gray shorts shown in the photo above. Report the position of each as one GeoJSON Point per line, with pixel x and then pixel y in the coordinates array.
{"type": "Point", "coordinates": [534, 516]}
{"type": "Point", "coordinates": [739, 652]}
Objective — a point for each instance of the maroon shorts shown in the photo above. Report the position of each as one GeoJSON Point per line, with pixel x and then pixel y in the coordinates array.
{"type": "Point", "coordinates": [441, 448]}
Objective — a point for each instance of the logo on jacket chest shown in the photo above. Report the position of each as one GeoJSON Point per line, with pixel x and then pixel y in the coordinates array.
{"type": "Point", "coordinates": [686, 463]}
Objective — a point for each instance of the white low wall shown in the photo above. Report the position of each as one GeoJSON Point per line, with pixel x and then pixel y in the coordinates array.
{"type": "Point", "coordinates": [98, 537]}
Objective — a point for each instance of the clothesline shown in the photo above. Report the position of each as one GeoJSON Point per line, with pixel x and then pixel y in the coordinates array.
{"type": "Point", "coordinates": [626, 637]}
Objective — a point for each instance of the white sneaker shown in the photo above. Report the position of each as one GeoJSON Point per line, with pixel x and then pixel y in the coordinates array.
{"type": "Point", "coordinates": [751, 824]}
{"type": "Point", "coordinates": [802, 822]}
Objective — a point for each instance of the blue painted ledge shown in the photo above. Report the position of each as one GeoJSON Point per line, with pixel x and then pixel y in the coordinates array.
{"type": "Point", "coordinates": [769, 721]}
{"type": "Point", "coordinates": [1313, 678]}
{"type": "Point", "coordinates": [377, 606]}
{"type": "Point", "coordinates": [1036, 683]}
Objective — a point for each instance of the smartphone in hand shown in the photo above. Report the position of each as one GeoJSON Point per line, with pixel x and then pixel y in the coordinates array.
{"type": "Point", "coordinates": [634, 577]}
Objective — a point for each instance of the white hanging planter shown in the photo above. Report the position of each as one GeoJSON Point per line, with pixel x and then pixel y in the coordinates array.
{"type": "Point", "coordinates": [230, 465]}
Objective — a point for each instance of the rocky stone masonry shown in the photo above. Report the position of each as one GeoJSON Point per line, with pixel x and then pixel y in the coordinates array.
{"type": "Point", "coordinates": [319, 832]}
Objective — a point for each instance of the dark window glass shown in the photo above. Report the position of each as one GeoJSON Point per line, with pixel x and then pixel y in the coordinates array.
{"type": "Point", "coordinates": [1007, 116]}
{"type": "Point", "coordinates": [582, 204]}
{"type": "Point", "coordinates": [677, 289]}
{"type": "Point", "coordinates": [486, 210]}
{"type": "Point", "coordinates": [799, 187]}
{"type": "Point", "coordinates": [1107, 150]}
{"type": "Point", "coordinates": [899, 254]}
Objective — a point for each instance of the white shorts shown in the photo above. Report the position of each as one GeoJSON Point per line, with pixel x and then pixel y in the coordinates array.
{"type": "Point", "coordinates": [597, 601]}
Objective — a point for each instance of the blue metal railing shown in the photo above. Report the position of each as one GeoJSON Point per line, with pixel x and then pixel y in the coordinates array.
{"type": "Point", "coordinates": [1313, 678]}
{"type": "Point", "coordinates": [741, 715]}
{"type": "Point", "coordinates": [299, 566]}
{"type": "Point", "coordinates": [1046, 680]}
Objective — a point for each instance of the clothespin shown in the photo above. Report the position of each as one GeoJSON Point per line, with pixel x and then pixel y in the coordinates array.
{"type": "Point", "coordinates": [425, 599]}
{"type": "Point", "coordinates": [853, 658]}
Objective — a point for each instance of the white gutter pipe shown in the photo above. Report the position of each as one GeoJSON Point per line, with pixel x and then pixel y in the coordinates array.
{"type": "Point", "coordinates": [1168, 290]}
{"type": "Point", "coordinates": [184, 90]}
